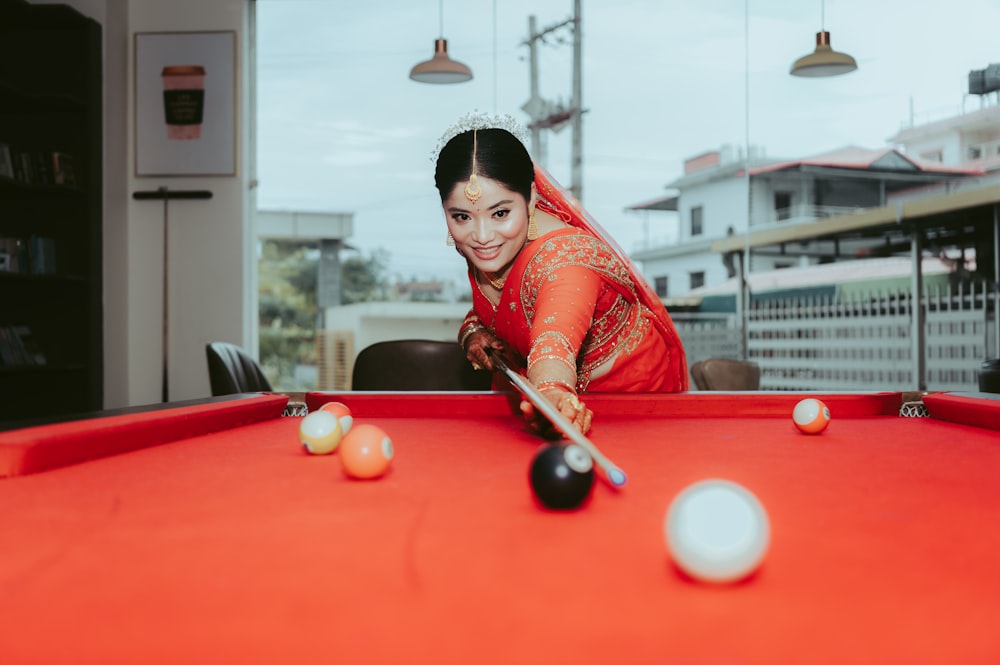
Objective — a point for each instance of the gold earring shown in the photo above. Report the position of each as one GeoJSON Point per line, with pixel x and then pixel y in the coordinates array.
{"type": "Point", "coordinates": [449, 240]}
{"type": "Point", "coordinates": [532, 225]}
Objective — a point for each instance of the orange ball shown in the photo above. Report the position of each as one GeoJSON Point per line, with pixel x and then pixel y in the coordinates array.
{"type": "Point", "coordinates": [320, 433]}
{"type": "Point", "coordinates": [366, 452]}
{"type": "Point", "coordinates": [342, 412]}
{"type": "Point", "coordinates": [811, 416]}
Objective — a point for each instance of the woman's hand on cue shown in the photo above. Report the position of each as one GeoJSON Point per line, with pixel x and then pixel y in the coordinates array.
{"type": "Point", "coordinates": [568, 404]}
{"type": "Point", "coordinates": [476, 349]}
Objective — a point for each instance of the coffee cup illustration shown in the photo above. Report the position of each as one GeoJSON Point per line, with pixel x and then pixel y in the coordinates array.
{"type": "Point", "coordinates": [183, 101]}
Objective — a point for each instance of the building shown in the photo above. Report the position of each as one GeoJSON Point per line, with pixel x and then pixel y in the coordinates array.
{"type": "Point", "coordinates": [717, 198]}
{"type": "Point", "coordinates": [906, 238]}
{"type": "Point", "coordinates": [724, 196]}
{"type": "Point", "coordinates": [970, 140]}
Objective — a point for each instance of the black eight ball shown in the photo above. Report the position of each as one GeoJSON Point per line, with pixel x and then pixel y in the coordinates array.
{"type": "Point", "coordinates": [562, 475]}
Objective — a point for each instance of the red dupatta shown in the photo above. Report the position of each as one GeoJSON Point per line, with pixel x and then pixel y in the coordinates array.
{"type": "Point", "coordinates": [565, 206]}
{"type": "Point", "coordinates": [509, 314]}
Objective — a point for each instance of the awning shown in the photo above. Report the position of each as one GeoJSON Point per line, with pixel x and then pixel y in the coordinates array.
{"type": "Point", "coordinates": [886, 218]}
{"type": "Point", "coordinates": [662, 203]}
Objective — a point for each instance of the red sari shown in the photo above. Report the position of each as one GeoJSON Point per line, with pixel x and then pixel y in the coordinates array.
{"type": "Point", "coordinates": [574, 295]}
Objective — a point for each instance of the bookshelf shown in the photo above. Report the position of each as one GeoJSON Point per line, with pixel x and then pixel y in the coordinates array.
{"type": "Point", "coordinates": [51, 361]}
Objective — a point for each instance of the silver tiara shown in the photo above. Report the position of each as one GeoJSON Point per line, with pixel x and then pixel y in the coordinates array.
{"type": "Point", "coordinates": [480, 120]}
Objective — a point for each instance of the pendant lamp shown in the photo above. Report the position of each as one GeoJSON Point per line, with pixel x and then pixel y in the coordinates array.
{"type": "Point", "coordinates": [824, 61]}
{"type": "Point", "coordinates": [440, 68]}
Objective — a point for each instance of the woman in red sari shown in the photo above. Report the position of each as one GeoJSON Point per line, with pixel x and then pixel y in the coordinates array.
{"type": "Point", "coordinates": [550, 290]}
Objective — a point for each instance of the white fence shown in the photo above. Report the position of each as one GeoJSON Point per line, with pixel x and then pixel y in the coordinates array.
{"type": "Point", "coordinates": [865, 343]}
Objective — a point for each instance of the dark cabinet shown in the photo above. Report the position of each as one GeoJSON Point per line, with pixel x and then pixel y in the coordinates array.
{"type": "Point", "coordinates": [51, 360]}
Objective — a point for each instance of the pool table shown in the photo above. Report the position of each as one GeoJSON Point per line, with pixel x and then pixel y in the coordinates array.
{"type": "Point", "coordinates": [202, 532]}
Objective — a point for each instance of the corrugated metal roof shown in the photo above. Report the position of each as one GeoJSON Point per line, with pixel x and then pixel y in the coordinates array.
{"type": "Point", "coordinates": [662, 203]}
{"type": "Point", "coordinates": [858, 158]}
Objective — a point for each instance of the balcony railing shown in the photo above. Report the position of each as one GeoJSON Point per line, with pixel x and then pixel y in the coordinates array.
{"type": "Point", "coordinates": [800, 214]}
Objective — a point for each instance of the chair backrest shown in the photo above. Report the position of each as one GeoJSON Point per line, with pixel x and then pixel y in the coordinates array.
{"type": "Point", "coordinates": [232, 370]}
{"type": "Point", "coordinates": [726, 374]}
{"type": "Point", "coordinates": [416, 364]}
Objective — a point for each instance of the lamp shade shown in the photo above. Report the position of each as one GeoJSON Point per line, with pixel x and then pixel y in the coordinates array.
{"type": "Point", "coordinates": [440, 68]}
{"type": "Point", "coordinates": [824, 61]}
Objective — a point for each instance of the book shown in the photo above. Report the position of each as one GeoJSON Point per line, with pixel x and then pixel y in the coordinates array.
{"type": "Point", "coordinates": [12, 255]}
{"type": "Point", "coordinates": [6, 355]}
{"type": "Point", "coordinates": [43, 255]}
{"type": "Point", "coordinates": [19, 347]}
{"type": "Point", "coordinates": [28, 346]}
{"type": "Point", "coordinates": [6, 162]}
{"type": "Point", "coordinates": [63, 172]}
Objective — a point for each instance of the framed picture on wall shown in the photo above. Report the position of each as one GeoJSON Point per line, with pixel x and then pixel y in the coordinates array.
{"type": "Point", "coordinates": [185, 103]}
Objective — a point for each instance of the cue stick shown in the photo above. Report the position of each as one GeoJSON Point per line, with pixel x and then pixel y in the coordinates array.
{"type": "Point", "coordinates": [614, 474]}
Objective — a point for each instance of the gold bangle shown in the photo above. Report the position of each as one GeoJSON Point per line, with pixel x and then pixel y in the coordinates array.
{"type": "Point", "coordinates": [556, 383]}
{"type": "Point", "coordinates": [469, 330]}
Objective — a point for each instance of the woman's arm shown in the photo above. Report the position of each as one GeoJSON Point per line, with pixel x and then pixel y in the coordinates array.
{"type": "Point", "coordinates": [476, 339]}
{"type": "Point", "coordinates": [564, 311]}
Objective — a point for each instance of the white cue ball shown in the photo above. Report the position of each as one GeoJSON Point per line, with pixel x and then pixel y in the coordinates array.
{"type": "Point", "coordinates": [717, 531]}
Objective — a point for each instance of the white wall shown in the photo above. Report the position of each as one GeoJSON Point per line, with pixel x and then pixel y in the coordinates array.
{"type": "Point", "coordinates": [372, 322]}
{"type": "Point", "coordinates": [212, 278]}
{"type": "Point", "coordinates": [208, 262]}
{"type": "Point", "coordinates": [724, 204]}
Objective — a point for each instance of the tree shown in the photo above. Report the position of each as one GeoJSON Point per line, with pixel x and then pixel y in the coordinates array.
{"type": "Point", "coordinates": [286, 310]}
{"type": "Point", "coordinates": [364, 279]}
{"type": "Point", "coordinates": [287, 276]}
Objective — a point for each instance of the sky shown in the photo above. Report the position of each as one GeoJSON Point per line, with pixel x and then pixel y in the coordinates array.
{"type": "Point", "coordinates": [342, 128]}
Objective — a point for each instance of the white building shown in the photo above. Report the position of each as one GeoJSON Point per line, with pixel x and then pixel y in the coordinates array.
{"type": "Point", "coordinates": [716, 198]}
{"type": "Point", "coordinates": [969, 140]}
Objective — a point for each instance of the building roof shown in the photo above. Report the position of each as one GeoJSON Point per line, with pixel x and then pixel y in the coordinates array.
{"type": "Point", "coordinates": [661, 203]}
{"type": "Point", "coordinates": [839, 275]}
{"type": "Point", "coordinates": [847, 159]}
{"type": "Point", "coordinates": [984, 118]}
{"type": "Point", "coordinates": [839, 272]}
{"type": "Point", "coordinates": [865, 159]}
{"type": "Point", "coordinates": [976, 200]}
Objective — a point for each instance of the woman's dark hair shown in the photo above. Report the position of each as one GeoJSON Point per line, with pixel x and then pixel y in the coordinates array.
{"type": "Point", "coordinates": [500, 156]}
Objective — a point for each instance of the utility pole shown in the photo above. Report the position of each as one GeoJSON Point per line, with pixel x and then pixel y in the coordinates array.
{"type": "Point", "coordinates": [535, 107]}
{"type": "Point", "coordinates": [546, 115]}
{"type": "Point", "coordinates": [576, 158]}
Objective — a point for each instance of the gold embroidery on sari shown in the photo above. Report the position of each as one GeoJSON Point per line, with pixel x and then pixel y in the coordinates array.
{"type": "Point", "coordinates": [619, 329]}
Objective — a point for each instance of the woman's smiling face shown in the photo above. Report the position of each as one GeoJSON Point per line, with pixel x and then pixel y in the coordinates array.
{"type": "Point", "coordinates": [492, 231]}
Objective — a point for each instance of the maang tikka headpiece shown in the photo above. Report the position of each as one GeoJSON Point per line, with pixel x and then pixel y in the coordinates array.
{"type": "Point", "coordinates": [474, 122]}
{"type": "Point", "coordinates": [472, 188]}
{"type": "Point", "coordinates": [480, 120]}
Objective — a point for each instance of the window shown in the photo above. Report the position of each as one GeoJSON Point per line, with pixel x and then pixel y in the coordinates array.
{"type": "Point", "coordinates": [932, 156]}
{"type": "Point", "coordinates": [697, 279]}
{"type": "Point", "coordinates": [660, 285]}
{"type": "Point", "coordinates": [697, 223]}
{"type": "Point", "coordinates": [782, 205]}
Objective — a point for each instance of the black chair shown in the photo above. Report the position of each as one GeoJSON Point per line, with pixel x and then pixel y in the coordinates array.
{"type": "Point", "coordinates": [416, 364]}
{"type": "Point", "coordinates": [231, 370]}
{"type": "Point", "coordinates": [726, 374]}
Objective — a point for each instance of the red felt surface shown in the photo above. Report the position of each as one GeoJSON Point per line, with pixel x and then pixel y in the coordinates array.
{"type": "Point", "coordinates": [973, 409]}
{"type": "Point", "coordinates": [43, 447]}
{"type": "Point", "coordinates": [237, 547]}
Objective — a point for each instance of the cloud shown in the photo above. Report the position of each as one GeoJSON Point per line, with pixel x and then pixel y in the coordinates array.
{"type": "Point", "coordinates": [341, 127]}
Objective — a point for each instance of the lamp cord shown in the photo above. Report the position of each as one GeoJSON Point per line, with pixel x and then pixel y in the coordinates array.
{"type": "Point", "coordinates": [494, 56]}
{"type": "Point", "coordinates": [441, 18]}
